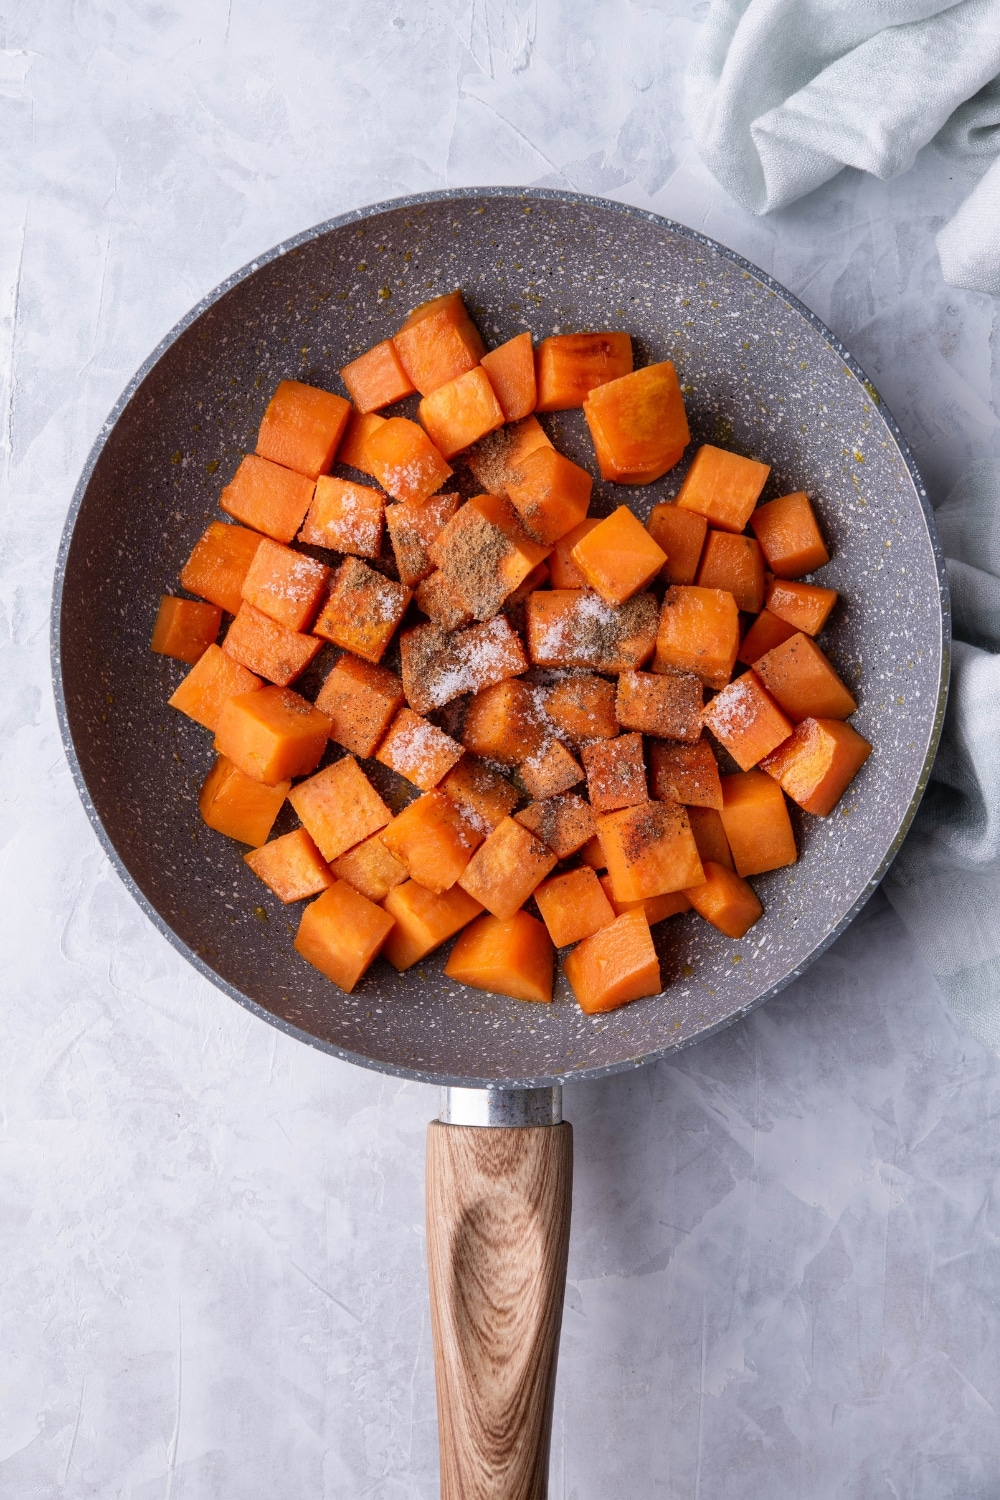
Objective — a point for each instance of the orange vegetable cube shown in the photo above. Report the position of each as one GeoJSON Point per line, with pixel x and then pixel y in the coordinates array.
{"type": "Point", "coordinates": [413, 525]}
{"type": "Point", "coordinates": [789, 536]}
{"type": "Point", "coordinates": [576, 628]}
{"type": "Point", "coordinates": [184, 628]}
{"type": "Point", "coordinates": [757, 824]}
{"type": "Point", "coordinates": [371, 868]}
{"type": "Point", "coordinates": [685, 773]}
{"type": "Point", "coordinates": [564, 822]}
{"type": "Point", "coordinates": [655, 908]}
{"type": "Point", "coordinates": [268, 498]}
{"type": "Point", "coordinates": [376, 378]}
{"type": "Point", "coordinates": [551, 771]}
{"type": "Point", "coordinates": [302, 428]}
{"type": "Point", "coordinates": [401, 456]}
{"type": "Point", "coordinates": [710, 836]}
{"type": "Point", "coordinates": [342, 933]}
{"type": "Point", "coordinates": [649, 850]}
{"type": "Point", "coordinates": [736, 564]}
{"type": "Point", "coordinates": [725, 900]}
{"type": "Point", "coordinates": [505, 869]}
{"type": "Point", "coordinates": [361, 700]}
{"type": "Point", "coordinates": [766, 632]}
{"type": "Point", "coordinates": [419, 750]}
{"type": "Point", "coordinates": [360, 427]}
{"type": "Point", "coordinates": [570, 365]}
{"type": "Point", "coordinates": [511, 369]}
{"type": "Point", "coordinates": [484, 553]}
{"type": "Point", "coordinates": [436, 598]}
{"type": "Point", "coordinates": [339, 807]}
{"type": "Point", "coordinates": [618, 964]}
{"type": "Point", "coordinates": [803, 606]}
{"type": "Point", "coordinates": [817, 764]}
{"type": "Point", "coordinates": [213, 678]}
{"type": "Point", "coordinates": [616, 772]}
{"type": "Point", "coordinates": [514, 604]}
{"type": "Point", "coordinates": [618, 557]}
{"type": "Point", "coordinates": [551, 494]}
{"type": "Point", "coordinates": [699, 632]}
{"type": "Point", "coordinates": [582, 708]}
{"type": "Point", "coordinates": [286, 585]}
{"type": "Point", "coordinates": [511, 957]}
{"type": "Point", "coordinates": [681, 534]}
{"type": "Point", "coordinates": [363, 610]}
{"type": "Point", "coordinates": [424, 921]}
{"type": "Point", "coordinates": [438, 341]}
{"type": "Point", "coordinates": [219, 563]}
{"type": "Point", "coordinates": [747, 721]}
{"type": "Point", "coordinates": [495, 461]}
{"type": "Point", "coordinates": [564, 572]}
{"type": "Point", "coordinates": [484, 796]}
{"type": "Point", "coordinates": [438, 667]}
{"type": "Point", "coordinates": [267, 648]}
{"type": "Point", "coordinates": [272, 734]}
{"type": "Point", "coordinates": [667, 704]}
{"type": "Point", "coordinates": [237, 805]}
{"type": "Point", "coordinates": [723, 487]}
{"type": "Point", "coordinates": [638, 424]}
{"type": "Point", "coordinates": [502, 723]}
{"type": "Point", "coordinates": [346, 517]}
{"type": "Point", "coordinates": [457, 414]}
{"type": "Point", "coordinates": [292, 867]}
{"type": "Point", "coordinates": [804, 682]}
{"type": "Point", "coordinates": [434, 840]}
{"type": "Point", "coordinates": [573, 906]}
{"type": "Point", "coordinates": [592, 854]}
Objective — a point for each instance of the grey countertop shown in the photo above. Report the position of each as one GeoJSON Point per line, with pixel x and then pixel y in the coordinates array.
{"type": "Point", "coordinates": [784, 1269]}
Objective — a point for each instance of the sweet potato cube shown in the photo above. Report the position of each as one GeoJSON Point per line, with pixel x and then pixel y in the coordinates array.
{"type": "Point", "coordinates": [681, 534]}
{"type": "Point", "coordinates": [268, 498]}
{"type": "Point", "coordinates": [502, 723]}
{"type": "Point", "coordinates": [515, 603]}
{"type": "Point", "coordinates": [511, 369]}
{"type": "Point", "coordinates": [505, 869]}
{"type": "Point", "coordinates": [361, 700]}
{"type": "Point", "coordinates": [592, 854]}
{"type": "Point", "coordinates": [757, 824]}
{"type": "Point", "coordinates": [570, 365]}
{"type": "Point", "coordinates": [413, 525]}
{"type": "Point", "coordinates": [576, 628]}
{"type": "Point", "coordinates": [286, 585]}
{"type": "Point", "coordinates": [667, 704]}
{"type": "Point", "coordinates": [573, 906]}
{"type": "Point", "coordinates": [817, 763]}
{"type": "Point", "coordinates": [371, 868]}
{"type": "Point", "coordinates": [710, 836]}
{"type": "Point", "coordinates": [725, 900]}
{"type": "Point", "coordinates": [213, 678]}
{"type": "Point", "coordinates": [272, 734]}
{"type": "Point", "coordinates": [618, 964]}
{"type": "Point", "coordinates": [746, 720]}
{"type": "Point", "coordinates": [438, 667]}
{"type": "Point", "coordinates": [484, 796]}
{"type": "Point", "coordinates": [655, 908]}
{"type": "Point", "coordinates": [563, 571]}
{"type": "Point", "coordinates": [376, 378]}
{"type": "Point", "coordinates": [582, 708]}
{"type": "Point", "coordinates": [551, 494]}
{"type": "Point", "coordinates": [434, 840]}
{"type": "Point", "coordinates": [401, 456]}
{"type": "Point", "coordinates": [424, 921]}
{"type": "Point", "coordinates": [219, 563]}
{"type": "Point", "coordinates": [766, 632]}
{"type": "Point", "coordinates": [457, 414]}
{"type": "Point", "coordinates": [484, 553]}
{"type": "Point", "coordinates": [638, 424]}
{"type": "Point", "coordinates": [360, 427]}
{"type": "Point", "coordinates": [185, 628]}
{"type": "Point", "coordinates": [292, 867]}
{"type": "Point", "coordinates": [616, 772]}
{"type": "Point", "coordinates": [803, 606]}
{"type": "Point", "coordinates": [723, 487]}
{"type": "Point", "coordinates": [419, 750]}
{"type": "Point", "coordinates": [346, 517]}
{"type": "Point", "coordinates": [363, 610]}
{"type": "Point", "coordinates": [736, 564]}
{"type": "Point", "coordinates": [551, 771]}
{"type": "Point", "coordinates": [438, 341]}
{"type": "Point", "coordinates": [699, 632]}
{"type": "Point", "coordinates": [342, 933]}
{"type": "Point", "coordinates": [619, 557]}
{"type": "Point", "coordinates": [436, 598]}
{"type": "Point", "coordinates": [789, 536]}
{"type": "Point", "coordinates": [237, 805]}
{"type": "Point", "coordinates": [650, 850]}
{"type": "Point", "coordinates": [564, 822]}
{"type": "Point", "coordinates": [270, 650]}
{"type": "Point", "coordinates": [339, 807]}
{"type": "Point", "coordinates": [302, 428]}
{"type": "Point", "coordinates": [495, 461]}
{"type": "Point", "coordinates": [511, 956]}
{"type": "Point", "coordinates": [685, 773]}
{"type": "Point", "coordinates": [803, 681]}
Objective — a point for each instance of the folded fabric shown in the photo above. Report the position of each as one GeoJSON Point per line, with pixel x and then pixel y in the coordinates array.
{"type": "Point", "coordinates": [785, 93]}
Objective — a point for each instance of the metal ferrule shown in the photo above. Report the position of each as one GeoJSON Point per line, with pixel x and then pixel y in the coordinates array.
{"type": "Point", "coordinates": [510, 1107]}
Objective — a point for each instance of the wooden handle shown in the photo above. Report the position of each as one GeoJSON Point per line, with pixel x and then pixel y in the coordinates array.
{"type": "Point", "coordinates": [498, 1210]}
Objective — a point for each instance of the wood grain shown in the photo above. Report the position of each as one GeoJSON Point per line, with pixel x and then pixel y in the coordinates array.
{"type": "Point", "coordinates": [498, 1212]}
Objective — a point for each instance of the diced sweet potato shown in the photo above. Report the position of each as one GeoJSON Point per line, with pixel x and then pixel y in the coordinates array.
{"type": "Point", "coordinates": [360, 427]}
{"type": "Point", "coordinates": [710, 836]}
{"type": "Point", "coordinates": [270, 650]}
{"type": "Point", "coordinates": [757, 824]}
{"type": "Point", "coordinates": [681, 534]}
{"type": "Point", "coordinates": [515, 603]}
{"type": "Point", "coordinates": [816, 765]}
{"type": "Point", "coordinates": [550, 771]}
{"type": "Point", "coordinates": [272, 734]}
{"type": "Point", "coordinates": [789, 536]}
{"type": "Point", "coordinates": [438, 341]}
{"type": "Point", "coordinates": [725, 900]}
{"type": "Point", "coordinates": [619, 557]}
{"type": "Point", "coordinates": [736, 564]}
{"type": "Point", "coordinates": [564, 822]}
{"type": "Point", "coordinates": [746, 720]}
{"type": "Point", "coordinates": [505, 869]}
{"type": "Point", "coordinates": [268, 498]}
{"type": "Point", "coordinates": [185, 628]}
{"type": "Point", "coordinates": [424, 921]}
{"type": "Point", "coordinates": [339, 807]}
{"type": "Point", "coordinates": [219, 563]}
{"type": "Point", "coordinates": [723, 487]}
{"type": "Point", "coordinates": [592, 854]}
{"type": "Point", "coordinates": [573, 906]}
{"type": "Point", "coordinates": [667, 704]}
{"type": "Point", "coordinates": [484, 553]}
{"type": "Point", "coordinates": [655, 908]}
{"type": "Point", "coordinates": [438, 666]}
{"type": "Point", "coordinates": [803, 606]}
{"type": "Point", "coordinates": [551, 494]}
{"type": "Point", "coordinates": [502, 723]}
{"type": "Point", "coordinates": [510, 956]}
{"type": "Point", "coordinates": [434, 839]}
{"type": "Point", "coordinates": [346, 517]}
{"type": "Point", "coordinates": [419, 750]}
{"type": "Point", "coordinates": [570, 365]}
{"type": "Point", "coordinates": [649, 850]}
{"type": "Point", "coordinates": [511, 369]}
{"type": "Point", "coordinates": [371, 868]}
{"type": "Point", "coordinates": [377, 378]}
{"type": "Point", "coordinates": [766, 632]}
{"type": "Point", "coordinates": [495, 461]}
{"type": "Point", "coordinates": [302, 428]}
{"type": "Point", "coordinates": [576, 628]}
{"type": "Point", "coordinates": [285, 584]}
{"type": "Point", "coordinates": [213, 678]}
{"type": "Point", "coordinates": [564, 572]}
{"type": "Point", "coordinates": [342, 933]}
{"type": "Point", "coordinates": [401, 456]}
{"type": "Point", "coordinates": [699, 632]}
{"type": "Point", "coordinates": [582, 708]}
{"type": "Point", "coordinates": [361, 700]}
{"type": "Point", "coordinates": [292, 867]}
{"type": "Point", "coordinates": [363, 610]}
{"type": "Point", "coordinates": [616, 772]}
{"type": "Point", "coordinates": [457, 414]}
{"type": "Point", "coordinates": [484, 796]}
{"type": "Point", "coordinates": [237, 805]}
{"type": "Point", "coordinates": [803, 681]}
{"type": "Point", "coordinates": [436, 598]}
{"type": "Point", "coordinates": [638, 424]}
{"type": "Point", "coordinates": [685, 773]}
{"type": "Point", "coordinates": [413, 525]}
{"type": "Point", "coordinates": [618, 964]}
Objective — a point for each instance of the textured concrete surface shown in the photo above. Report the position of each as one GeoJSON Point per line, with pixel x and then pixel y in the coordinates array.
{"type": "Point", "coordinates": [784, 1268]}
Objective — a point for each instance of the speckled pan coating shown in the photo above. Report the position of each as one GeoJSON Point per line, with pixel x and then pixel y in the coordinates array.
{"type": "Point", "coordinates": [760, 374]}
